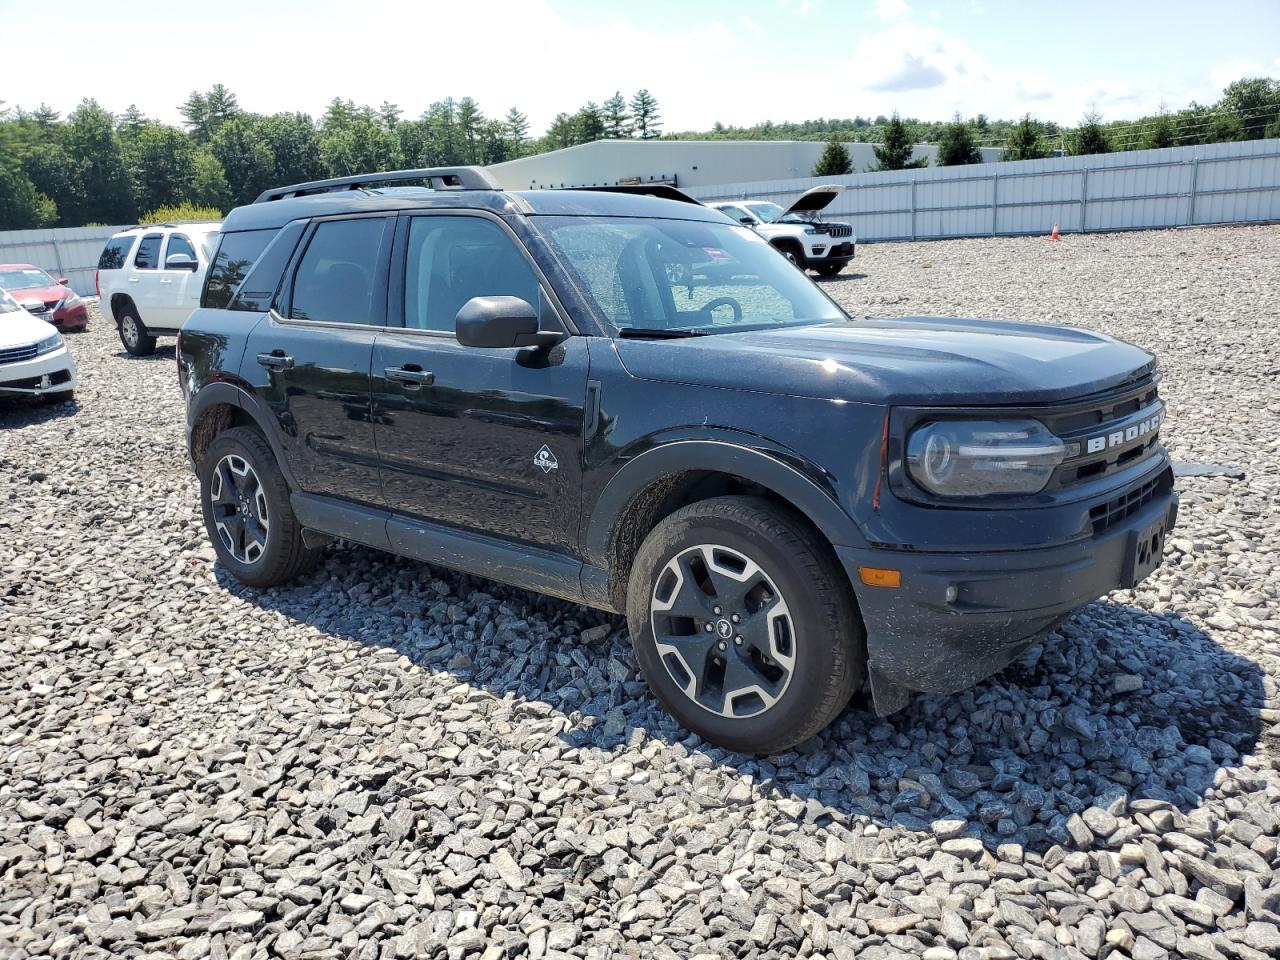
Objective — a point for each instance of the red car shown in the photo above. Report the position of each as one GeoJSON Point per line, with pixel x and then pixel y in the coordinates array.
{"type": "Point", "coordinates": [59, 304]}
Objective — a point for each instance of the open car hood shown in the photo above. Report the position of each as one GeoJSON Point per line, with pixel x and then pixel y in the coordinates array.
{"type": "Point", "coordinates": [813, 200]}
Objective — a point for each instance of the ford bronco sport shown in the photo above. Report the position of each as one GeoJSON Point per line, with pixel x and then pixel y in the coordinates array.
{"type": "Point", "coordinates": [784, 501]}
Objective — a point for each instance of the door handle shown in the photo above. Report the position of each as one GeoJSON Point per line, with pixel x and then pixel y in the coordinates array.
{"type": "Point", "coordinates": [411, 375]}
{"type": "Point", "coordinates": [165, 280]}
{"type": "Point", "coordinates": [133, 279]}
{"type": "Point", "coordinates": [276, 360]}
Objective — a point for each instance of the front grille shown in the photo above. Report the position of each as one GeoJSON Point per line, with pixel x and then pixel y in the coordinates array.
{"type": "Point", "coordinates": [1108, 514]}
{"type": "Point", "coordinates": [835, 229]}
{"type": "Point", "coordinates": [1107, 433]}
{"type": "Point", "coordinates": [17, 354]}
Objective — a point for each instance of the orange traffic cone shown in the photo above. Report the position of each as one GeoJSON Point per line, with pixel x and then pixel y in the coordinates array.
{"type": "Point", "coordinates": [1054, 234]}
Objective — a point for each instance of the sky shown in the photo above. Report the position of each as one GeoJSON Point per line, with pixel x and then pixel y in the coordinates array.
{"type": "Point", "coordinates": [734, 61]}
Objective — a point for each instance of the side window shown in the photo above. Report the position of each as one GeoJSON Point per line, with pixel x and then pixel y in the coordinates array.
{"type": "Point", "coordinates": [115, 253]}
{"type": "Point", "coordinates": [148, 255]}
{"type": "Point", "coordinates": [452, 259]}
{"type": "Point", "coordinates": [236, 254]}
{"type": "Point", "coordinates": [736, 214]}
{"type": "Point", "coordinates": [180, 244]}
{"type": "Point", "coordinates": [334, 281]}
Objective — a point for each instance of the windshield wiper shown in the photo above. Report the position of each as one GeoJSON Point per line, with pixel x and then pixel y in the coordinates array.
{"type": "Point", "coordinates": [658, 333]}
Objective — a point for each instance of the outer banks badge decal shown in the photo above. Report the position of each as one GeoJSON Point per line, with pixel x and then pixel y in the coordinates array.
{"type": "Point", "coordinates": [545, 460]}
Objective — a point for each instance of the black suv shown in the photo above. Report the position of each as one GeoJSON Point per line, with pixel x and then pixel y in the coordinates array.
{"type": "Point", "coordinates": [634, 403]}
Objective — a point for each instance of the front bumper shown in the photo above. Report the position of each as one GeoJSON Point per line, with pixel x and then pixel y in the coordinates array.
{"type": "Point", "coordinates": [919, 640]}
{"type": "Point", "coordinates": [71, 319]}
{"type": "Point", "coordinates": [822, 249]}
{"type": "Point", "coordinates": [53, 372]}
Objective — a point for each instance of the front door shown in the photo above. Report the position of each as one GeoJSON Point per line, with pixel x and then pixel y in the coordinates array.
{"type": "Point", "coordinates": [309, 360]}
{"type": "Point", "coordinates": [477, 439]}
{"type": "Point", "coordinates": [178, 289]}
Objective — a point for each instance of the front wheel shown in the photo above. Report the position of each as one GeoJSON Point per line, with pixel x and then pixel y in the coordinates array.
{"type": "Point", "coordinates": [134, 335]}
{"type": "Point", "coordinates": [829, 269]}
{"type": "Point", "coordinates": [743, 624]}
{"type": "Point", "coordinates": [794, 254]}
{"type": "Point", "coordinates": [247, 514]}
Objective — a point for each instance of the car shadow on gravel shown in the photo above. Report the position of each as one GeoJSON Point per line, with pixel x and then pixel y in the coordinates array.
{"type": "Point", "coordinates": [166, 352]}
{"type": "Point", "coordinates": [20, 411]}
{"type": "Point", "coordinates": [1118, 704]}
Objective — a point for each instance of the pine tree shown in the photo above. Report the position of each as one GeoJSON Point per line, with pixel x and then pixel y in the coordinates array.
{"type": "Point", "coordinates": [644, 111]}
{"type": "Point", "coordinates": [834, 161]}
{"type": "Point", "coordinates": [1089, 136]}
{"type": "Point", "coordinates": [956, 146]}
{"type": "Point", "coordinates": [588, 124]}
{"type": "Point", "coordinates": [894, 153]}
{"type": "Point", "coordinates": [561, 132]}
{"type": "Point", "coordinates": [517, 132]}
{"type": "Point", "coordinates": [389, 115]}
{"type": "Point", "coordinates": [470, 120]}
{"type": "Point", "coordinates": [617, 122]}
{"type": "Point", "coordinates": [1160, 131]}
{"type": "Point", "coordinates": [1026, 141]}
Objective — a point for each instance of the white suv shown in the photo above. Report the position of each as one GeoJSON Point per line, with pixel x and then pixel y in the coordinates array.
{"type": "Point", "coordinates": [149, 279]}
{"type": "Point", "coordinates": [808, 241]}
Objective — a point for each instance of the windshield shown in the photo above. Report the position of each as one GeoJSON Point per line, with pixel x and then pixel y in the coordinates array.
{"type": "Point", "coordinates": [766, 211]}
{"type": "Point", "coordinates": [8, 304]}
{"type": "Point", "coordinates": [682, 275]}
{"type": "Point", "coordinates": [25, 278]}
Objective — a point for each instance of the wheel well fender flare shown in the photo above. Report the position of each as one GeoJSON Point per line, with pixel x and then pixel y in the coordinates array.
{"type": "Point", "coordinates": [118, 302]}
{"type": "Point", "coordinates": [713, 456]}
{"type": "Point", "coordinates": [230, 394]}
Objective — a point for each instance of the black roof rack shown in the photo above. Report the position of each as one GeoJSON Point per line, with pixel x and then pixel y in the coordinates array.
{"type": "Point", "coordinates": [456, 178]}
{"type": "Point", "coordinates": [662, 190]}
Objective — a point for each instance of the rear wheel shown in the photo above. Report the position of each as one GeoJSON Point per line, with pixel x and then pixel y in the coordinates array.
{"type": "Point", "coordinates": [247, 514]}
{"type": "Point", "coordinates": [133, 333]}
{"type": "Point", "coordinates": [742, 624]}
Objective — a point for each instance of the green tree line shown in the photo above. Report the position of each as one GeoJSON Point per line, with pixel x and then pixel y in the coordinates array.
{"type": "Point", "coordinates": [97, 167]}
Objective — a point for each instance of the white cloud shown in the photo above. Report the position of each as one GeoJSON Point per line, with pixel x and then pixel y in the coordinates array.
{"type": "Point", "coordinates": [892, 9]}
{"type": "Point", "coordinates": [751, 25]}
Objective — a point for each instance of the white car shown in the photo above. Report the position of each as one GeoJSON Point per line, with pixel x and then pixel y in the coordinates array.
{"type": "Point", "coordinates": [33, 359]}
{"type": "Point", "coordinates": [808, 241]}
{"type": "Point", "coordinates": [149, 279]}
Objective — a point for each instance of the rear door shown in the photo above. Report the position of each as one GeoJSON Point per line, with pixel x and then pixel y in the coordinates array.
{"type": "Point", "coordinates": [143, 284]}
{"type": "Point", "coordinates": [308, 361]}
{"type": "Point", "coordinates": [477, 439]}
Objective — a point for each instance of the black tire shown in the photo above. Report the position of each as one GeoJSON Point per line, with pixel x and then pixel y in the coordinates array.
{"type": "Point", "coordinates": [822, 629]}
{"type": "Point", "coordinates": [62, 396]}
{"type": "Point", "coordinates": [793, 253]}
{"type": "Point", "coordinates": [829, 269]}
{"type": "Point", "coordinates": [277, 554]}
{"type": "Point", "coordinates": [133, 332]}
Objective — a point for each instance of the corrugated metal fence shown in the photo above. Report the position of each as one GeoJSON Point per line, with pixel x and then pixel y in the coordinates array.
{"type": "Point", "coordinates": [70, 252]}
{"type": "Point", "coordinates": [1137, 190]}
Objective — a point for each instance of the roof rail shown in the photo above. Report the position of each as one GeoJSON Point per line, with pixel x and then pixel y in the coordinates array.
{"type": "Point", "coordinates": [663, 190]}
{"type": "Point", "coordinates": [457, 178]}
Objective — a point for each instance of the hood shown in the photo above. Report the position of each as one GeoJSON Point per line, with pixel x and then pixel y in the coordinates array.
{"type": "Point", "coordinates": [19, 329]}
{"type": "Point", "coordinates": [913, 360]}
{"type": "Point", "coordinates": [813, 200]}
{"type": "Point", "coordinates": [51, 295]}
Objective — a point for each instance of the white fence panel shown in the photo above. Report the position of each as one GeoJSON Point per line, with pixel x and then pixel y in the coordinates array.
{"type": "Point", "coordinates": [70, 252]}
{"type": "Point", "coordinates": [1136, 190]}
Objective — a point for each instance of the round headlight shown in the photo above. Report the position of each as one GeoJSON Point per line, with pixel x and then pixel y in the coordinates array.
{"type": "Point", "coordinates": [979, 458]}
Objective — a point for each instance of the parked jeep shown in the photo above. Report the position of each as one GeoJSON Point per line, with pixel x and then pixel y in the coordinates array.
{"type": "Point", "coordinates": [784, 502]}
{"type": "Point", "coordinates": [798, 230]}
{"type": "Point", "coordinates": [149, 279]}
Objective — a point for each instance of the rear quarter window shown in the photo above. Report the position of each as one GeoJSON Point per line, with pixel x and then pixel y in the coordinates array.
{"type": "Point", "coordinates": [115, 253]}
{"type": "Point", "coordinates": [237, 253]}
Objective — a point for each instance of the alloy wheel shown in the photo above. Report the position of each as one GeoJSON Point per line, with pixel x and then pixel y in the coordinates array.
{"type": "Point", "coordinates": [723, 631]}
{"type": "Point", "coordinates": [129, 329]}
{"type": "Point", "coordinates": [239, 508]}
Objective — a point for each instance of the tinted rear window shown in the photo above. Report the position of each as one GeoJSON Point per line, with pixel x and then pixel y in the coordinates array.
{"type": "Point", "coordinates": [236, 254]}
{"type": "Point", "coordinates": [148, 254]}
{"type": "Point", "coordinates": [115, 253]}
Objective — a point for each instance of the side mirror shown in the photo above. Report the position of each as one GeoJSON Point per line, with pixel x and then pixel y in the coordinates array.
{"type": "Point", "coordinates": [747, 220]}
{"type": "Point", "coordinates": [180, 261]}
{"type": "Point", "coordinates": [498, 322]}
{"type": "Point", "coordinates": [63, 280]}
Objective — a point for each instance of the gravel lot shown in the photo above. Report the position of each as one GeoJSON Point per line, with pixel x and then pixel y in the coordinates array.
{"type": "Point", "coordinates": [389, 760]}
